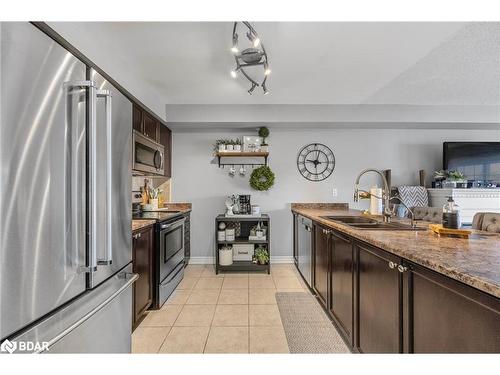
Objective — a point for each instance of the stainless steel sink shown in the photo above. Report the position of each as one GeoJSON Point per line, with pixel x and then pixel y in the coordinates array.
{"type": "Point", "coordinates": [366, 223]}
{"type": "Point", "coordinates": [351, 219]}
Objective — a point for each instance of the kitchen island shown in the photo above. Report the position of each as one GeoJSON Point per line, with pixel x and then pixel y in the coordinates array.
{"type": "Point", "coordinates": [405, 290]}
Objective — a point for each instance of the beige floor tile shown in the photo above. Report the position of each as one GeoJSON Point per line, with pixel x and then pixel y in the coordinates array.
{"type": "Point", "coordinates": [195, 316]}
{"type": "Point", "coordinates": [284, 272]}
{"type": "Point", "coordinates": [185, 340]}
{"type": "Point", "coordinates": [209, 283]}
{"type": "Point", "coordinates": [233, 297]}
{"type": "Point", "coordinates": [262, 296]}
{"type": "Point", "coordinates": [282, 266]}
{"type": "Point", "coordinates": [236, 274]}
{"type": "Point", "coordinates": [209, 271]}
{"type": "Point", "coordinates": [194, 270]}
{"type": "Point", "coordinates": [203, 297]}
{"type": "Point", "coordinates": [268, 340]}
{"type": "Point", "coordinates": [178, 297]}
{"type": "Point", "coordinates": [227, 340]}
{"type": "Point", "coordinates": [259, 276]}
{"type": "Point", "coordinates": [231, 316]}
{"type": "Point", "coordinates": [187, 283]}
{"type": "Point", "coordinates": [287, 283]}
{"type": "Point", "coordinates": [235, 283]}
{"type": "Point", "coordinates": [148, 339]}
{"type": "Point", "coordinates": [164, 317]}
{"type": "Point", "coordinates": [264, 315]}
{"type": "Point", "coordinates": [261, 283]}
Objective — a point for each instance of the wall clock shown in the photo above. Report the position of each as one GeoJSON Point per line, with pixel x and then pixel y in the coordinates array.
{"type": "Point", "coordinates": [316, 162]}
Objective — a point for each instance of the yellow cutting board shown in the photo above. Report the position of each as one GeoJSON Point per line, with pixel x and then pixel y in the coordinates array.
{"type": "Point", "coordinates": [438, 228]}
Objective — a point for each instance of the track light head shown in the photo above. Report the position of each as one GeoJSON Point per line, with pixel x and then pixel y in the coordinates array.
{"type": "Point", "coordinates": [252, 88]}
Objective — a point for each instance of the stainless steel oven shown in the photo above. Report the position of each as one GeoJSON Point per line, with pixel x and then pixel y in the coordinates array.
{"type": "Point", "coordinates": [148, 155]}
{"type": "Point", "coordinates": [170, 268]}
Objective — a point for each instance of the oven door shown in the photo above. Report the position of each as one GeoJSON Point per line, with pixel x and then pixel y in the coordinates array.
{"type": "Point", "coordinates": [148, 155]}
{"type": "Point", "coordinates": [171, 247]}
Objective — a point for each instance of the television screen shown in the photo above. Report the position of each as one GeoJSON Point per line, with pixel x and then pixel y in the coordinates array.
{"type": "Point", "coordinates": [478, 161]}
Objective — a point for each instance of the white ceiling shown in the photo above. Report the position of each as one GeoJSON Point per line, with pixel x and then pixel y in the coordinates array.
{"type": "Point", "coordinates": [334, 63]}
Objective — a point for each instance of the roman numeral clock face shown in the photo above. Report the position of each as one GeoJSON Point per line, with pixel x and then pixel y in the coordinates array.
{"type": "Point", "coordinates": [315, 162]}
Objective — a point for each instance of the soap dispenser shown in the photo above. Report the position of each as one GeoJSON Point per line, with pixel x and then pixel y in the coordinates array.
{"type": "Point", "coordinates": [451, 214]}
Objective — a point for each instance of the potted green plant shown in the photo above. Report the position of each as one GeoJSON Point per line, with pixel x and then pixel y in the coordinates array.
{"type": "Point", "coordinates": [264, 133]}
{"type": "Point", "coordinates": [261, 255]}
{"type": "Point", "coordinates": [229, 145]}
{"type": "Point", "coordinates": [220, 145]}
{"type": "Point", "coordinates": [237, 144]}
{"type": "Point", "coordinates": [456, 179]}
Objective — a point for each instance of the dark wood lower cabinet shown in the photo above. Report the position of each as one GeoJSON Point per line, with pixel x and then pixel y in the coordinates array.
{"type": "Point", "coordinates": [341, 282]}
{"type": "Point", "coordinates": [383, 303]}
{"type": "Point", "coordinates": [142, 260]}
{"type": "Point", "coordinates": [446, 316]}
{"type": "Point", "coordinates": [321, 263]}
{"type": "Point", "coordinates": [379, 305]}
{"type": "Point", "coordinates": [187, 239]}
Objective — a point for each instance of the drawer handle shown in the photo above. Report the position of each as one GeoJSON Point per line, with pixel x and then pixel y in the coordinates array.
{"type": "Point", "coordinates": [402, 268]}
{"type": "Point", "coordinates": [392, 265]}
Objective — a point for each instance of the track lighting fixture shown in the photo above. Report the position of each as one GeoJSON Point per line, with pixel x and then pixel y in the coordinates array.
{"type": "Point", "coordinates": [250, 57]}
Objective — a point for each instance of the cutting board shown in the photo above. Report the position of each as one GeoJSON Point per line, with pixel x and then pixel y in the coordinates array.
{"type": "Point", "coordinates": [438, 228]}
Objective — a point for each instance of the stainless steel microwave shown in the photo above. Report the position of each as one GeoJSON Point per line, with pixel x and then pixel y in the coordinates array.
{"type": "Point", "coordinates": [148, 155]}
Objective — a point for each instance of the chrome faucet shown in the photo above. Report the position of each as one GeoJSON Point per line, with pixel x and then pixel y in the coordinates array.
{"type": "Point", "coordinates": [410, 211]}
{"type": "Point", "coordinates": [386, 194]}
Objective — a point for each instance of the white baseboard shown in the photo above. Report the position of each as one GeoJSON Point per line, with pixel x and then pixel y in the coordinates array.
{"type": "Point", "coordinates": [211, 260]}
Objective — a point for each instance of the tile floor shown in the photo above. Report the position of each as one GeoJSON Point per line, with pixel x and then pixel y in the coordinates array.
{"type": "Point", "coordinates": [225, 313]}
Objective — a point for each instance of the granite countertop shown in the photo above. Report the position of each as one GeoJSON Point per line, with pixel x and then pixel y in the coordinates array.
{"type": "Point", "coordinates": [139, 224]}
{"type": "Point", "coordinates": [474, 261]}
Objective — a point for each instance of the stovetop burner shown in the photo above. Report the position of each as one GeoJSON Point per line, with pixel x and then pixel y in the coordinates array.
{"type": "Point", "coordinates": [154, 215]}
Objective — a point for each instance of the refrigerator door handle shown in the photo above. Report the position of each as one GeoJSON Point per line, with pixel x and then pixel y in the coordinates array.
{"type": "Point", "coordinates": [91, 88]}
{"type": "Point", "coordinates": [108, 259]}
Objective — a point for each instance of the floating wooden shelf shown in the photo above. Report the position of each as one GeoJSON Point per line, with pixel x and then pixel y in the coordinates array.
{"type": "Point", "coordinates": [241, 154]}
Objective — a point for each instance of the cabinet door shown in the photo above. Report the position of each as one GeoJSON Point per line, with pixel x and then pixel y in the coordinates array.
{"type": "Point", "coordinates": [295, 238]}
{"type": "Point", "coordinates": [150, 127]}
{"type": "Point", "coordinates": [341, 271]}
{"type": "Point", "coordinates": [166, 141]}
{"type": "Point", "coordinates": [379, 304]}
{"type": "Point", "coordinates": [187, 239]}
{"type": "Point", "coordinates": [321, 250]}
{"type": "Point", "coordinates": [137, 119]}
{"type": "Point", "coordinates": [143, 266]}
{"type": "Point", "coordinates": [446, 316]}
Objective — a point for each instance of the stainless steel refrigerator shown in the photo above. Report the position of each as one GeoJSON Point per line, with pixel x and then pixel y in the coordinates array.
{"type": "Point", "coordinates": [65, 219]}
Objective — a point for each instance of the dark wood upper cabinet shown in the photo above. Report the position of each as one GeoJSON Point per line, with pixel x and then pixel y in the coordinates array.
{"type": "Point", "coordinates": [137, 119]}
{"type": "Point", "coordinates": [166, 141]}
{"type": "Point", "coordinates": [341, 282]}
{"type": "Point", "coordinates": [379, 304]}
{"type": "Point", "coordinates": [151, 127]}
{"type": "Point", "coordinates": [320, 263]}
{"type": "Point", "coordinates": [446, 316]}
{"type": "Point", "coordinates": [142, 260]}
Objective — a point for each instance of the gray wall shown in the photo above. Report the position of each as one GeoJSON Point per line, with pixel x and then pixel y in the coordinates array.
{"type": "Point", "coordinates": [197, 180]}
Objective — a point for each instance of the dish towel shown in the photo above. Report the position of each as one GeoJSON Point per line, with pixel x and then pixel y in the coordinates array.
{"type": "Point", "coordinates": [413, 196]}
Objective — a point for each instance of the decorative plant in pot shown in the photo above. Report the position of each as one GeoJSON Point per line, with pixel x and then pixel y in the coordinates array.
{"type": "Point", "coordinates": [220, 145]}
{"type": "Point", "coordinates": [237, 144]}
{"type": "Point", "coordinates": [229, 145]}
{"type": "Point", "coordinates": [264, 133]}
{"type": "Point", "coordinates": [261, 255]}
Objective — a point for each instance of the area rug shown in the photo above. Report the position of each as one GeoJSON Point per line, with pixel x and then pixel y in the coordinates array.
{"type": "Point", "coordinates": [307, 328]}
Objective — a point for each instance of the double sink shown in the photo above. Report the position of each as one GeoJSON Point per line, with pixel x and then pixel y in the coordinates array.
{"type": "Point", "coordinates": [367, 223]}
